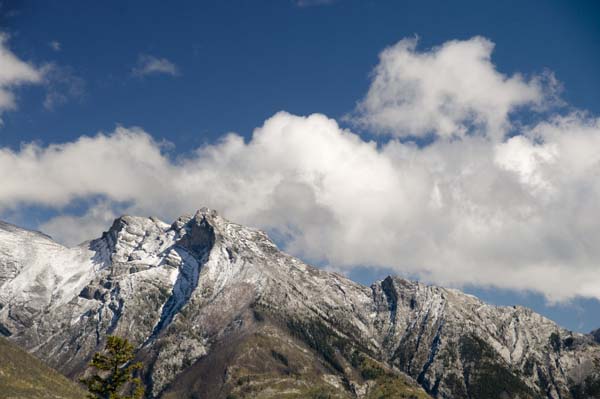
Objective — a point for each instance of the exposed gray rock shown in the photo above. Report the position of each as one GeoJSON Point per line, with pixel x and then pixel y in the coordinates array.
{"type": "Point", "coordinates": [175, 290]}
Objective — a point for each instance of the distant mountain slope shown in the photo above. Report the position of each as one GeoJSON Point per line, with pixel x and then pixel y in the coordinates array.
{"type": "Point", "coordinates": [216, 310]}
{"type": "Point", "coordinates": [266, 361]}
{"type": "Point", "coordinates": [22, 376]}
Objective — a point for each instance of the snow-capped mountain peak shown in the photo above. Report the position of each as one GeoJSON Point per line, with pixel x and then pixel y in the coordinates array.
{"type": "Point", "coordinates": [184, 292]}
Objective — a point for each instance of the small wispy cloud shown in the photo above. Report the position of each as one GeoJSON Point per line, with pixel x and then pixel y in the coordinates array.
{"type": "Point", "coordinates": [55, 45]}
{"type": "Point", "coordinates": [62, 85]}
{"type": "Point", "coordinates": [9, 10]}
{"type": "Point", "coordinates": [151, 65]}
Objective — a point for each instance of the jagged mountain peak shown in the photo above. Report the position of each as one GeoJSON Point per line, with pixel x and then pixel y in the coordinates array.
{"type": "Point", "coordinates": [186, 291]}
{"type": "Point", "coordinates": [150, 242]}
{"type": "Point", "coordinates": [200, 222]}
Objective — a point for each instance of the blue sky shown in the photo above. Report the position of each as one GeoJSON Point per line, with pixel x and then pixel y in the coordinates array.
{"type": "Point", "coordinates": [242, 61]}
{"type": "Point", "coordinates": [227, 66]}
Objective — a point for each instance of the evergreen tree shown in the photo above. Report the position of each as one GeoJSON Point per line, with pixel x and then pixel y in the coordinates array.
{"type": "Point", "coordinates": [114, 370]}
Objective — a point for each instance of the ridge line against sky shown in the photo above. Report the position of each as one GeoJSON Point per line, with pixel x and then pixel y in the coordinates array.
{"type": "Point", "coordinates": [449, 169]}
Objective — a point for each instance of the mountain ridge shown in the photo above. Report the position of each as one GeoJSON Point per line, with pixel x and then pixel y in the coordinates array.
{"type": "Point", "coordinates": [180, 290]}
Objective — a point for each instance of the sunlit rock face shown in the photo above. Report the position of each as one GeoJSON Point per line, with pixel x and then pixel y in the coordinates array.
{"type": "Point", "coordinates": [204, 299]}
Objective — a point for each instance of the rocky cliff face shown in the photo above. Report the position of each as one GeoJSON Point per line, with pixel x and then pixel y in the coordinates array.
{"type": "Point", "coordinates": [215, 309]}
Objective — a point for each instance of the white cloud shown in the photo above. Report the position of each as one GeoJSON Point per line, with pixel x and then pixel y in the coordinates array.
{"type": "Point", "coordinates": [449, 91]}
{"type": "Point", "coordinates": [62, 85]}
{"type": "Point", "coordinates": [13, 73]}
{"type": "Point", "coordinates": [55, 45]}
{"type": "Point", "coordinates": [57, 174]}
{"type": "Point", "coordinates": [151, 65]}
{"type": "Point", "coordinates": [71, 229]}
{"type": "Point", "coordinates": [519, 213]}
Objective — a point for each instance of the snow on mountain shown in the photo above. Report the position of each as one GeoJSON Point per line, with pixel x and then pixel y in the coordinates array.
{"type": "Point", "coordinates": [189, 291]}
{"type": "Point", "coordinates": [38, 273]}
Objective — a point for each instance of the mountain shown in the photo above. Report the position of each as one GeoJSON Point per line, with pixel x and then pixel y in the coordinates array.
{"type": "Point", "coordinates": [22, 376]}
{"type": "Point", "coordinates": [215, 310]}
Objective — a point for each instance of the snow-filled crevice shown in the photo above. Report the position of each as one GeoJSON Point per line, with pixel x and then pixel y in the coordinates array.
{"type": "Point", "coordinates": [193, 248]}
{"type": "Point", "coordinates": [185, 284]}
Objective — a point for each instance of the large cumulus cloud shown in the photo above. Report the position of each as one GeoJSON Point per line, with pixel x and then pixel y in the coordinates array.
{"type": "Point", "coordinates": [517, 212]}
{"type": "Point", "coordinates": [450, 90]}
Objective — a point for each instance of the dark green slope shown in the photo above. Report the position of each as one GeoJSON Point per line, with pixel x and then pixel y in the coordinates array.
{"type": "Point", "coordinates": [23, 376]}
{"type": "Point", "coordinates": [274, 359]}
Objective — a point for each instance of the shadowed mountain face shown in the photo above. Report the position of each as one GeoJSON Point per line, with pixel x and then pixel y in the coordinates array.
{"type": "Point", "coordinates": [217, 311]}
{"type": "Point", "coordinates": [22, 376]}
{"type": "Point", "coordinates": [596, 335]}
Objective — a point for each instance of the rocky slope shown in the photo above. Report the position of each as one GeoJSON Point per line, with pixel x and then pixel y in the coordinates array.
{"type": "Point", "coordinates": [216, 310]}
